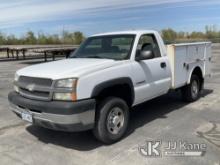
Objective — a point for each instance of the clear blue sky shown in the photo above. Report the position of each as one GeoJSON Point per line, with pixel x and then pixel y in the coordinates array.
{"type": "Point", "coordinates": [94, 16]}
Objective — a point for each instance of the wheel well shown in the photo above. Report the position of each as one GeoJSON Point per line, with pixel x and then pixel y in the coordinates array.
{"type": "Point", "coordinates": [198, 72]}
{"type": "Point", "coordinates": [122, 91]}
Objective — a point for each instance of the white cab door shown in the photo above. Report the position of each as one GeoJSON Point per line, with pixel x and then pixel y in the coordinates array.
{"type": "Point", "coordinates": [152, 76]}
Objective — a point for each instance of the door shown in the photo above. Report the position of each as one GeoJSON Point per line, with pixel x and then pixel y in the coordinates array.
{"type": "Point", "coordinates": [152, 76]}
{"type": "Point", "coordinates": [208, 57]}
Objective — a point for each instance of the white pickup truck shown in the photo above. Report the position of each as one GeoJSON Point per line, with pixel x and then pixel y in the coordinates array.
{"type": "Point", "coordinates": [108, 74]}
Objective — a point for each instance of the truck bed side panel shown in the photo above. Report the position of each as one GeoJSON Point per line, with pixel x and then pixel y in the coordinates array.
{"type": "Point", "coordinates": [184, 58]}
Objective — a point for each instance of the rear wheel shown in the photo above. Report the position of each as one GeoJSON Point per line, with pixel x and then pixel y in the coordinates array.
{"type": "Point", "coordinates": [111, 120]}
{"type": "Point", "coordinates": [191, 92]}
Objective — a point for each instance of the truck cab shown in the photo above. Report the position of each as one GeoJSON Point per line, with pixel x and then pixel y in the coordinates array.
{"type": "Point", "coordinates": [108, 74]}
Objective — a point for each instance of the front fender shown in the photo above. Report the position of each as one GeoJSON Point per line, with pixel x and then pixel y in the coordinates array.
{"type": "Point", "coordinates": [110, 83]}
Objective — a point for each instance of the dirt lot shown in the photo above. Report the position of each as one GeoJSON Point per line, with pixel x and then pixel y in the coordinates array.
{"type": "Point", "coordinates": [166, 118]}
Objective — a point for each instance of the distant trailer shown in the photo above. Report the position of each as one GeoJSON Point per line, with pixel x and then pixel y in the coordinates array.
{"type": "Point", "coordinates": [5, 49]}
{"type": "Point", "coordinates": [55, 52]}
{"type": "Point", "coordinates": [16, 50]}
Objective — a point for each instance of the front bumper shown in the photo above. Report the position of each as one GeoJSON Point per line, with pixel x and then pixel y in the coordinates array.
{"type": "Point", "coordinates": [56, 115]}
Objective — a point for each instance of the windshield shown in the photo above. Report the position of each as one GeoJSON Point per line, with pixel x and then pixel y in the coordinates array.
{"type": "Point", "coordinates": [116, 47]}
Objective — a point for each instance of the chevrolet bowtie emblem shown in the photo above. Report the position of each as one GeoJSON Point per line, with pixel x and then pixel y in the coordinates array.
{"type": "Point", "coordinates": [30, 87]}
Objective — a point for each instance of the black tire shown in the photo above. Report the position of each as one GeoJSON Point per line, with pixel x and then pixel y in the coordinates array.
{"type": "Point", "coordinates": [104, 112]}
{"type": "Point", "coordinates": [189, 92]}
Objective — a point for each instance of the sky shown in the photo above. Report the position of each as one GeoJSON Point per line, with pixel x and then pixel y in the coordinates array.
{"type": "Point", "coordinates": [96, 16]}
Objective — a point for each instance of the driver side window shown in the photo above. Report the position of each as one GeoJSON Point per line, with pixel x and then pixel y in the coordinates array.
{"type": "Point", "coordinates": [149, 42]}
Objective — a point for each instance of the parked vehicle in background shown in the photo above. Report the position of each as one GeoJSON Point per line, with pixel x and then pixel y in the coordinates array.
{"type": "Point", "coordinates": [109, 73]}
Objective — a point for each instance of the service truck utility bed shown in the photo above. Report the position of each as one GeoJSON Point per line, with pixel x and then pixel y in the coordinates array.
{"type": "Point", "coordinates": [97, 86]}
{"type": "Point", "coordinates": [184, 57]}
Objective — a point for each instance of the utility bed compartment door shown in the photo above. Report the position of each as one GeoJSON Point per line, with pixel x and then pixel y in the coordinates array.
{"type": "Point", "coordinates": [208, 57]}
{"type": "Point", "coordinates": [185, 57]}
{"type": "Point", "coordinates": [177, 57]}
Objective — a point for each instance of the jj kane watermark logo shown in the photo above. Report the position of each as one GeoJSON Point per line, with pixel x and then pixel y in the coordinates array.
{"type": "Point", "coordinates": [172, 148]}
{"type": "Point", "coordinates": [151, 148]}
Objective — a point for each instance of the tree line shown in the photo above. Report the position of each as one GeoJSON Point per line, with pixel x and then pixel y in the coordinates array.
{"type": "Point", "coordinates": [169, 35]}
{"type": "Point", "coordinates": [30, 38]}
{"type": "Point", "coordinates": [210, 34]}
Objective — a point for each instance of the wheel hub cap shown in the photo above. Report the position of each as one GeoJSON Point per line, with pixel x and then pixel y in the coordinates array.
{"type": "Point", "coordinates": [194, 89]}
{"type": "Point", "coordinates": [115, 120]}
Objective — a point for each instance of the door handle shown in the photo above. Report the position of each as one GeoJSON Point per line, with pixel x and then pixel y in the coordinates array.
{"type": "Point", "coordinates": [163, 65]}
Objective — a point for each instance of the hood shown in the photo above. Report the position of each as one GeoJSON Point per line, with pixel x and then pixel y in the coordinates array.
{"type": "Point", "coordinates": [67, 68]}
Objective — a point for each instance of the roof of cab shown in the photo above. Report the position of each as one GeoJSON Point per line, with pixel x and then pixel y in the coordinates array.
{"type": "Point", "coordinates": [136, 32]}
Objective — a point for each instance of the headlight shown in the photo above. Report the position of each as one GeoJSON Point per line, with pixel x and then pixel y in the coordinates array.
{"type": "Point", "coordinates": [62, 87]}
{"type": "Point", "coordinates": [66, 83]}
{"type": "Point", "coordinates": [63, 96]}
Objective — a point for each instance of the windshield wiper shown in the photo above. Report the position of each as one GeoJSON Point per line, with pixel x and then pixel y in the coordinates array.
{"type": "Point", "coordinates": [86, 57]}
{"type": "Point", "coordinates": [93, 56]}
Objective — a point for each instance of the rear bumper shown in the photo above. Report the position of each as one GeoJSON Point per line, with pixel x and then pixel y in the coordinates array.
{"type": "Point", "coordinates": [56, 115]}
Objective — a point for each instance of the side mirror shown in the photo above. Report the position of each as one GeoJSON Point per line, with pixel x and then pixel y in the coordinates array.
{"type": "Point", "coordinates": [144, 55]}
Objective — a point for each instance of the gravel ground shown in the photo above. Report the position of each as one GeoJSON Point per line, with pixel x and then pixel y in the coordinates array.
{"type": "Point", "coordinates": [166, 118]}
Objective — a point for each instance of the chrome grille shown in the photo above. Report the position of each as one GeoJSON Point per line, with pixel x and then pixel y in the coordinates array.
{"type": "Point", "coordinates": [33, 80]}
{"type": "Point", "coordinates": [34, 88]}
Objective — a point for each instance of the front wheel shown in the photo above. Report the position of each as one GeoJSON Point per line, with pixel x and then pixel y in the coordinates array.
{"type": "Point", "coordinates": [112, 118]}
{"type": "Point", "coordinates": [191, 92]}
